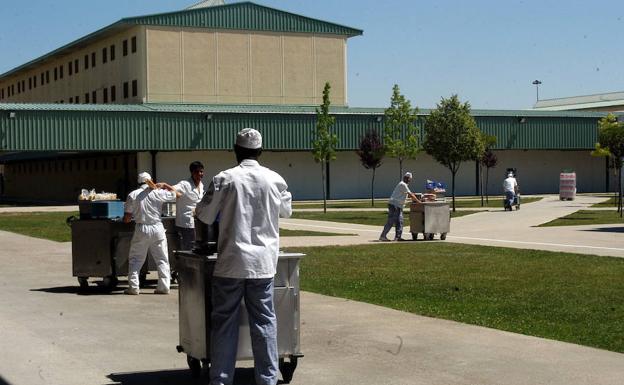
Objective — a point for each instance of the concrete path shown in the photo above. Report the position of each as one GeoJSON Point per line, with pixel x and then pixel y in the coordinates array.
{"type": "Point", "coordinates": [51, 335]}
{"type": "Point", "coordinates": [494, 228]}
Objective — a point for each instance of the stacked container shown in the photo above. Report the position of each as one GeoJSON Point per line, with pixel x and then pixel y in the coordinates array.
{"type": "Point", "coordinates": [567, 185]}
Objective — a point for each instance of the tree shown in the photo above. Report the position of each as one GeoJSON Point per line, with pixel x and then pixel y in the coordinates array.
{"type": "Point", "coordinates": [488, 160]}
{"type": "Point", "coordinates": [400, 132]}
{"type": "Point", "coordinates": [611, 142]}
{"type": "Point", "coordinates": [324, 142]}
{"type": "Point", "coordinates": [452, 136]}
{"type": "Point", "coordinates": [371, 152]}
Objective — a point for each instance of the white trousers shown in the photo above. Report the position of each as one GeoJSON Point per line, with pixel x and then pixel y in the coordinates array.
{"type": "Point", "coordinates": [152, 238]}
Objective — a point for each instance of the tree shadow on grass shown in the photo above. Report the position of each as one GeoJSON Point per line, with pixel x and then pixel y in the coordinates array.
{"type": "Point", "coordinates": [606, 230]}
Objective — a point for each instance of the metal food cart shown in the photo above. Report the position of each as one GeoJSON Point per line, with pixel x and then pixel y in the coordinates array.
{"type": "Point", "coordinates": [430, 218]}
{"type": "Point", "coordinates": [194, 290]}
{"type": "Point", "coordinates": [100, 248]}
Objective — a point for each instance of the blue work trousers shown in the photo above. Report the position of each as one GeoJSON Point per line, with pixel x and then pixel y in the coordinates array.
{"type": "Point", "coordinates": [395, 218]}
{"type": "Point", "coordinates": [227, 294]}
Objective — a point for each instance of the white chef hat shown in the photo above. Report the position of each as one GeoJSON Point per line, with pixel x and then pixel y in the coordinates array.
{"type": "Point", "coordinates": [143, 177]}
{"type": "Point", "coordinates": [249, 138]}
{"type": "Point", "coordinates": [510, 174]}
{"type": "Point", "coordinates": [408, 175]}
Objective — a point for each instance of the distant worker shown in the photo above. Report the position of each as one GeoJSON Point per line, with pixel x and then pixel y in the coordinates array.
{"type": "Point", "coordinates": [145, 206]}
{"type": "Point", "coordinates": [191, 192]}
{"type": "Point", "coordinates": [510, 186]}
{"type": "Point", "coordinates": [249, 200]}
{"type": "Point", "coordinates": [395, 208]}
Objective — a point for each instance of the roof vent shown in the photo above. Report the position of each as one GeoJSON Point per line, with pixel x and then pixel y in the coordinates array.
{"type": "Point", "coordinates": [206, 3]}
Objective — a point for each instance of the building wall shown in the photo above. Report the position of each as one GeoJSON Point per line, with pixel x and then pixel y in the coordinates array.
{"type": "Point", "coordinates": [88, 79]}
{"type": "Point", "coordinates": [203, 66]}
{"type": "Point", "coordinates": [61, 180]}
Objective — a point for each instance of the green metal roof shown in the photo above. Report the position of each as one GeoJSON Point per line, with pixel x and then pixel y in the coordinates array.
{"type": "Point", "coordinates": [236, 16]}
{"type": "Point", "coordinates": [181, 127]}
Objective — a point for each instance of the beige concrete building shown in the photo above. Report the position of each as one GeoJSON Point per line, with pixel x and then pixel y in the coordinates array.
{"type": "Point", "coordinates": [191, 57]}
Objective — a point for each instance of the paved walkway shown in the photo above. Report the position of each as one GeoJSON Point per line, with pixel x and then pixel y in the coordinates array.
{"type": "Point", "coordinates": [494, 228]}
{"type": "Point", "coordinates": [51, 335]}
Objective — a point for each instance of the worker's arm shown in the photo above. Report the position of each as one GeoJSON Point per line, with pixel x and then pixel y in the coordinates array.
{"type": "Point", "coordinates": [127, 218]}
{"type": "Point", "coordinates": [414, 197]}
{"type": "Point", "coordinates": [168, 187]}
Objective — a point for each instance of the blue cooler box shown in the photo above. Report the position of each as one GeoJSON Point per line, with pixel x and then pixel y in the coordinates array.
{"type": "Point", "coordinates": [101, 209]}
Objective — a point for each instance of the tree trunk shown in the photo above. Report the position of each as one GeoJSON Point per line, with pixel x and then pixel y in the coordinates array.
{"type": "Point", "coordinates": [373, 189]}
{"type": "Point", "coordinates": [487, 177]}
{"type": "Point", "coordinates": [324, 187]}
{"type": "Point", "coordinates": [481, 182]}
{"type": "Point", "coordinates": [400, 168]}
{"type": "Point", "coordinates": [453, 187]}
{"type": "Point", "coordinates": [620, 191]}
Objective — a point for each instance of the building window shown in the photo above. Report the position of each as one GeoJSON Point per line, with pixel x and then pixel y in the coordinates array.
{"type": "Point", "coordinates": [76, 69]}
{"type": "Point", "coordinates": [104, 55]}
{"type": "Point", "coordinates": [55, 74]}
{"type": "Point", "coordinates": [105, 95]}
{"type": "Point", "coordinates": [135, 88]}
{"type": "Point", "coordinates": [30, 83]}
{"type": "Point", "coordinates": [125, 90]}
{"type": "Point", "coordinates": [94, 97]}
{"type": "Point", "coordinates": [86, 62]}
{"type": "Point", "coordinates": [2, 93]}
{"type": "Point", "coordinates": [77, 99]}
{"type": "Point", "coordinates": [24, 85]}
{"type": "Point", "coordinates": [70, 69]}
{"type": "Point", "coordinates": [133, 44]}
{"type": "Point", "coordinates": [19, 87]}
{"type": "Point", "coordinates": [12, 89]}
{"type": "Point", "coordinates": [35, 81]}
{"type": "Point", "coordinates": [61, 71]}
{"type": "Point", "coordinates": [92, 59]}
{"type": "Point", "coordinates": [42, 78]}
{"type": "Point", "coordinates": [71, 100]}
{"type": "Point", "coordinates": [125, 47]}
{"type": "Point", "coordinates": [113, 94]}
{"type": "Point", "coordinates": [112, 52]}
{"type": "Point", "coordinates": [48, 77]}
{"type": "Point", "coordinates": [87, 98]}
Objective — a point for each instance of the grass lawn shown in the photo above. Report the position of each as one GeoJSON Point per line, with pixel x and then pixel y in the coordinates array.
{"type": "Point", "coordinates": [586, 217]}
{"type": "Point", "coordinates": [52, 226]}
{"type": "Point", "coordinates": [567, 297]}
{"type": "Point", "coordinates": [494, 201]}
{"type": "Point", "coordinates": [611, 202]}
{"type": "Point", "coordinates": [373, 218]}
{"type": "Point", "coordinates": [47, 225]}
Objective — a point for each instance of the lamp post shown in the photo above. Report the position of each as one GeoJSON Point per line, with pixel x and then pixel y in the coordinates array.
{"type": "Point", "coordinates": [537, 83]}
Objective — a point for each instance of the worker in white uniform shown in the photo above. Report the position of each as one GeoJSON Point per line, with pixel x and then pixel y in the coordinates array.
{"type": "Point", "coordinates": [249, 199]}
{"type": "Point", "coordinates": [191, 192]}
{"type": "Point", "coordinates": [510, 186]}
{"type": "Point", "coordinates": [395, 208]}
{"type": "Point", "coordinates": [145, 206]}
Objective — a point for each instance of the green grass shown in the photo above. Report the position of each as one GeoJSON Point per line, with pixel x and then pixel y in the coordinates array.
{"type": "Point", "coordinates": [494, 201]}
{"type": "Point", "coordinates": [586, 217]}
{"type": "Point", "coordinates": [48, 225]}
{"type": "Point", "coordinates": [561, 296]}
{"type": "Point", "coordinates": [611, 202]}
{"type": "Point", "coordinates": [52, 226]}
{"type": "Point", "coordinates": [306, 233]}
{"type": "Point", "coordinates": [373, 218]}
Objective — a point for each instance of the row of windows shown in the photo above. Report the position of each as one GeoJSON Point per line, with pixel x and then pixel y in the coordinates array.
{"type": "Point", "coordinates": [108, 53]}
{"type": "Point", "coordinates": [109, 95]}
{"type": "Point", "coordinates": [68, 165]}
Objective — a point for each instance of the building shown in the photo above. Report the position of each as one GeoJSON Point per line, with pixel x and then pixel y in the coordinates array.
{"type": "Point", "coordinates": [609, 102]}
{"type": "Point", "coordinates": [159, 91]}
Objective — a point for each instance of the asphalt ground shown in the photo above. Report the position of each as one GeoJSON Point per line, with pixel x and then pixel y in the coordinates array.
{"type": "Point", "coordinates": [50, 333]}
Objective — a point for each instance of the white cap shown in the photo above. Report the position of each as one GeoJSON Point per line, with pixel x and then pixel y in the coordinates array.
{"type": "Point", "coordinates": [408, 175]}
{"type": "Point", "coordinates": [249, 138]}
{"type": "Point", "coordinates": [143, 177]}
{"type": "Point", "coordinates": [510, 174]}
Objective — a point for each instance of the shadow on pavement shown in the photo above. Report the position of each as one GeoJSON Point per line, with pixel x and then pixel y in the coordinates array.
{"type": "Point", "coordinates": [607, 229]}
{"type": "Point", "coordinates": [91, 290]}
{"type": "Point", "coordinates": [243, 376]}
{"type": "Point", "coordinates": [3, 382]}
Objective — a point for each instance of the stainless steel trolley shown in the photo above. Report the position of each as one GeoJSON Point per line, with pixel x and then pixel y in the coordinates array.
{"type": "Point", "coordinates": [194, 290]}
{"type": "Point", "coordinates": [430, 218]}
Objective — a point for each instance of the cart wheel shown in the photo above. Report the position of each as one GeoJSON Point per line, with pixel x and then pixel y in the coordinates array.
{"type": "Point", "coordinates": [195, 366]}
{"type": "Point", "coordinates": [83, 282]}
{"type": "Point", "coordinates": [142, 279]}
{"type": "Point", "coordinates": [430, 236]}
{"type": "Point", "coordinates": [443, 236]}
{"type": "Point", "coordinates": [110, 282]}
{"type": "Point", "coordinates": [518, 208]}
{"type": "Point", "coordinates": [287, 369]}
{"type": "Point", "coordinates": [174, 277]}
{"type": "Point", "coordinates": [414, 236]}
